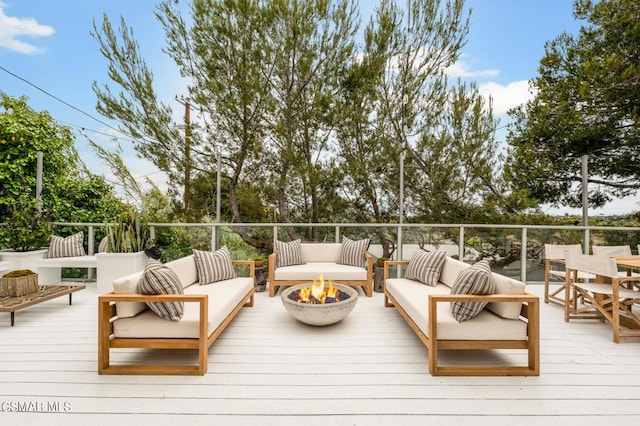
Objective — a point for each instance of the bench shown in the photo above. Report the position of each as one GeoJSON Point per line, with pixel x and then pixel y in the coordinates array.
{"type": "Point", "coordinates": [44, 293]}
{"type": "Point", "coordinates": [511, 320]}
{"type": "Point", "coordinates": [50, 270]}
{"type": "Point", "coordinates": [321, 258]}
{"type": "Point", "coordinates": [125, 322]}
{"type": "Point", "coordinates": [4, 267]}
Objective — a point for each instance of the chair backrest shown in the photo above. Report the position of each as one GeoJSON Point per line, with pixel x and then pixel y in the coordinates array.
{"type": "Point", "coordinates": [612, 250]}
{"type": "Point", "coordinates": [559, 251]}
{"type": "Point", "coordinates": [597, 265]}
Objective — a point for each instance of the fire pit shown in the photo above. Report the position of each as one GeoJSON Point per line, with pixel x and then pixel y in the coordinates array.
{"type": "Point", "coordinates": [319, 304]}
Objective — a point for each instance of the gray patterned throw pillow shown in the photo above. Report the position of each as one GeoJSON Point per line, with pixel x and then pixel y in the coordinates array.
{"type": "Point", "coordinates": [66, 247]}
{"type": "Point", "coordinates": [288, 254]}
{"type": "Point", "coordinates": [159, 279]}
{"type": "Point", "coordinates": [214, 266]}
{"type": "Point", "coordinates": [476, 279]}
{"type": "Point", "coordinates": [352, 252]}
{"type": "Point", "coordinates": [425, 266]}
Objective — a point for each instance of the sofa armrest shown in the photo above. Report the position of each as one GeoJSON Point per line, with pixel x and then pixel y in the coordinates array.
{"type": "Point", "coordinates": [134, 297]}
{"type": "Point", "coordinates": [251, 263]}
{"type": "Point", "coordinates": [272, 266]}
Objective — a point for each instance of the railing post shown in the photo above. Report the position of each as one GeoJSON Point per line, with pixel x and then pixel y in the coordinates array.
{"type": "Point", "coordinates": [461, 243]}
{"type": "Point", "coordinates": [337, 234]}
{"type": "Point", "coordinates": [586, 237]}
{"type": "Point", "coordinates": [214, 237]}
{"type": "Point", "coordinates": [523, 256]}
{"type": "Point", "coordinates": [91, 249]}
{"type": "Point", "coordinates": [275, 235]}
{"type": "Point", "coordinates": [152, 233]}
{"type": "Point", "coordinates": [400, 242]}
{"type": "Point", "coordinates": [90, 243]}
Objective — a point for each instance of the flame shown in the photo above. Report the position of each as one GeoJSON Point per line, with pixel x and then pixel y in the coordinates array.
{"type": "Point", "coordinates": [318, 293]}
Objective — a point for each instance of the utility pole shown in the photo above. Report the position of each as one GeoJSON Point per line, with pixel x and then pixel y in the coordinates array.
{"type": "Point", "coordinates": [187, 149]}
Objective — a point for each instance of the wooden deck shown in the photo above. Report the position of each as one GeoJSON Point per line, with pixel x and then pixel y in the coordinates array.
{"type": "Point", "coordinates": [267, 369]}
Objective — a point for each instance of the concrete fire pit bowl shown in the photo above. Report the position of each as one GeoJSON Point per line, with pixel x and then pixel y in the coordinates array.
{"type": "Point", "coordinates": [319, 314]}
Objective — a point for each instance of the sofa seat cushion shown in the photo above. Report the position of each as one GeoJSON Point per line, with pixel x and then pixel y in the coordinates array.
{"type": "Point", "coordinates": [312, 270]}
{"type": "Point", "coordinates": [223, 297]}
{"type": "Point", "coordinates": [413, 296]}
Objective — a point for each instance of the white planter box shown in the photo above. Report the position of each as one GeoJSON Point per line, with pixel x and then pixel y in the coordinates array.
{"type": "Point", "coordinates": [115, 265]}
{"type": "Point", "coordinates": [21, 259]}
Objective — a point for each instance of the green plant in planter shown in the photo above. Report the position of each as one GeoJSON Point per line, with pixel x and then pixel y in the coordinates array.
{"type": "Point", "coordinates": [259, 261]}
{"type": "Point", "coordinates": [26, 228]}
{"type": "Point", "coordinates": [380, 262]}
{"type": "Point", "coordinates": [128, 235]}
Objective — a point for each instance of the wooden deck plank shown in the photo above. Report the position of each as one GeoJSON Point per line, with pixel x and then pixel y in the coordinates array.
{"type": "Point", "coordinates": [268, 369]}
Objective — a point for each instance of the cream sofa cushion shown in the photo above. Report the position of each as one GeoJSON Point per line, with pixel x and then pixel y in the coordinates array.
{"type": "Point", "coordinates": [321, 252]}
{"type": "Point", "coordinates": [223, 297]}
{"type": "Point", "coordinates": [312, 270]}
{"type": "Point", "coordinates": [413, 298]}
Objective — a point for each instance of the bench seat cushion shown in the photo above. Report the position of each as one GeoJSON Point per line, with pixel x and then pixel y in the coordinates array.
{"type": "Point", "coordinates": [223, 297]}
{"type": "Point", "coordinates": [413, 298]}
{"type": "Point", "coordinates": [68, 262]}
{"type": "Point", "coordinates": [312, 270]}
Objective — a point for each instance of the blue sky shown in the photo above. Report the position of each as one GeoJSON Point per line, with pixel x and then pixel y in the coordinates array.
{"type": "Point", "coordinates": [48, 43]}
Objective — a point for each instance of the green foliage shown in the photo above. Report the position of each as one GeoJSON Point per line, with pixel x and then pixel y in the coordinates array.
{"type": "Point", "coordinates": [26, 228]}
{"type": "Point", "coordinates": [128, 235]}
{"type": "Point", "coordinates": [24, 132]}
{"type": "Point", "coordinates": [586, 104]}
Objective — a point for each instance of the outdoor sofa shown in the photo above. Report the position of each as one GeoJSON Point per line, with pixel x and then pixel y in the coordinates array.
{"type": "Point", "coordinates": [509, 321]}
{"type": "Point", "coordinates": [125, 322]}
{"type": "Point", "coordinates": [305, 262]}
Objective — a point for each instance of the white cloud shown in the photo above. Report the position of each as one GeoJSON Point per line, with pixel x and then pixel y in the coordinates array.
{"type": "Point", "coordinates": [506, 97]}
{"type": "Point", "coordinates": [460, 69]}
{"type": "Point", "coordinates": [11, 28]}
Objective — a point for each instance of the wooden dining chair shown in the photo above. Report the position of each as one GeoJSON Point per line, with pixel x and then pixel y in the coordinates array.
{"type": "Point", "coordinates": [615, 251]}
{"type": "Point", "coordinates": [604, 299]}
{"type": "Point", "coordinates": [555, 255]}
{"type": "Point", "coordinates": [611, 250]}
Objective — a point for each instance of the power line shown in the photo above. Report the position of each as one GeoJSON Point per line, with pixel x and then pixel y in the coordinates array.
{"type": "Point", "coordinates": [64, 102]}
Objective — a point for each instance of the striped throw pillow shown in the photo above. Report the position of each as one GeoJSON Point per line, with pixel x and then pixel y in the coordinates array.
{"type": "Point", "coordinates": [66, 247]}
{"type": "Point", "coordinates": [476, 279]}
{"type": "Point", "coordinates": [213, 266]}
{"type": "Point", "coordinates": [159, 279]}
{"type": "Point", "coordinates": [425, 266]}
{"type": "Point", "coordinates": [103, 247]}
{"type": "Point", "coordinates": [352, 252]}
{"type": "Point", "coordinates": [288, 254]}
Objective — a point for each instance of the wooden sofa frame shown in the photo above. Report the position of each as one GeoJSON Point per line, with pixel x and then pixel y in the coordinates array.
{"type": "Point", "coordinates": [106, 339]}
{"type": "Point", "coordinates": [367, 285]}
{"type": "Point", "coordinates": [530, 311]}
